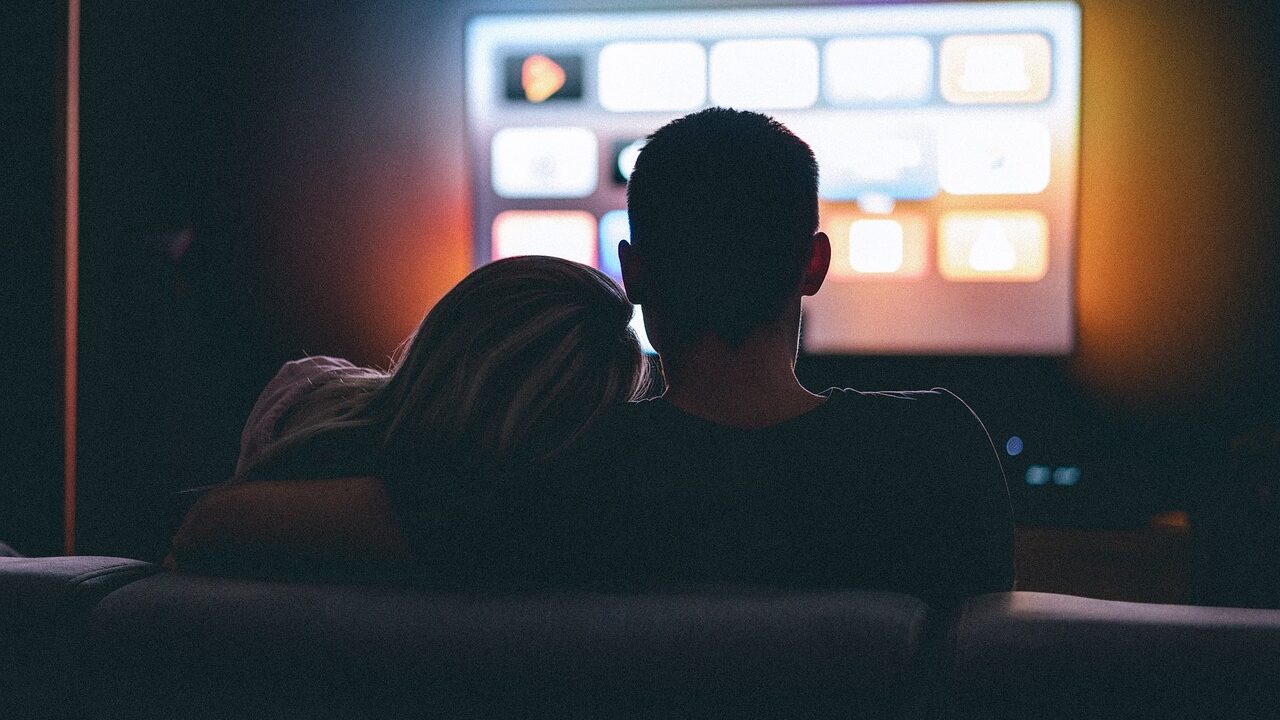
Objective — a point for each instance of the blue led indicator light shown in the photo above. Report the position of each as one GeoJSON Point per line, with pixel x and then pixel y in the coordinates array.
{"type": "Point", "coordinates": [1013, 446]}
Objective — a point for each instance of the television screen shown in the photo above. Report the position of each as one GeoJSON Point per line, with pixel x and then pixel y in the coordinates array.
{"type": "Point", "coordinates": [946, 137]}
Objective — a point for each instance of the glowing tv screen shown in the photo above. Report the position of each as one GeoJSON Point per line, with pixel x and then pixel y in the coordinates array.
{"type": "Point", "coordinates": [946, 136]}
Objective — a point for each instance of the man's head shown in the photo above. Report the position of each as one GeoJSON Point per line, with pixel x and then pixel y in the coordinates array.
{"type": "Point", "coordinates": [724, 208]}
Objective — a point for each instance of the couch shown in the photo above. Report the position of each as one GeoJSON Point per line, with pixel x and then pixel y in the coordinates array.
{"type": "Point", "coordinates": [101, 637]}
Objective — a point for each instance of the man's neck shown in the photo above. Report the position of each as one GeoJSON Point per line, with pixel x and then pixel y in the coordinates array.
{"type": "Point", "coordinates": [750, 386]}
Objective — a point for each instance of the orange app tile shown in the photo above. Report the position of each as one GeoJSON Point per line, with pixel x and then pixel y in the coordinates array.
{"type": "Point", "coordinates": [996, 246]}
{"type": "Point", "coordinates": [867, 247]}
{"type": "Point", "coordinates": [993, 69]}
{"type": "Point", "coordinates": [541, 77]}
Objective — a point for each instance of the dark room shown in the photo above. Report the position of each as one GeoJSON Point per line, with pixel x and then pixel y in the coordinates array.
{"type": "Point", "coordinates": [883, 358]}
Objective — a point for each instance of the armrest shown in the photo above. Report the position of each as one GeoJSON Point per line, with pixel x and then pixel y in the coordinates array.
{"type": "Point", "coordinates": [40, 591]}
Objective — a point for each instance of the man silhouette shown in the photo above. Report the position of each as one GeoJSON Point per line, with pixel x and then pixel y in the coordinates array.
{"type": "Point", "coordinates": [738, 473]}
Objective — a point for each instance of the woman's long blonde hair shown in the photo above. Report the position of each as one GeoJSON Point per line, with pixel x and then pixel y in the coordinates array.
{"type": "Point", "coordinates": [513, 364]}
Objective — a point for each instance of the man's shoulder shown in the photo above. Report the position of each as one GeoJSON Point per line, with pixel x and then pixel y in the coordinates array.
{"type": "Point", "coordinates": [843, 405]}
{"type": "Point", "coordinates": [848, 418]}
{"type": "Point", "coordinates": [936, 403]}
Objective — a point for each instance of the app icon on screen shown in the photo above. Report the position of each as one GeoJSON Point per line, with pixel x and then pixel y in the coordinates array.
{"type": "Point", "coordinates": [859, 159]}
{"type": "Point", "coordinates": [1000, 246]}
{"type": "Point", "coordinates": [625, 153]}
{"type": "Point", "coordinates": [568, 234]}
{"type": "Point", "coordinates": [872, 247]}
{"type": "Point", "coordinates": [1008, 157]}
{"type": "Point", "coordinates": [870, 71]}
{"type": "Point", "coordinates": [537, 78]}
{"type": "Point", "coordinates": [652, 76]}
{"type": "Point", "coordinates": [613, 229]}
{"type": "Point", "coordinates": [996, 68]}
{"type": "Point", "coordinates": [764, 74]}
{"type": "Point", "coordinates": [544, 162]}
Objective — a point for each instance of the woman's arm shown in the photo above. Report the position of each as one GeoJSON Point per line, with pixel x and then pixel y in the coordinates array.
{"type": "Point", "coordinates": [293, 528]}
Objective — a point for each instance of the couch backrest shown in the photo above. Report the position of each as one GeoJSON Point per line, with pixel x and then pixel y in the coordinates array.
{"type": "Point", "coordinates": [1026, 654]}
{"type": "Point", "coordinates": [177, 643]}
{"type": "Point", "coordinates": [105, 637]}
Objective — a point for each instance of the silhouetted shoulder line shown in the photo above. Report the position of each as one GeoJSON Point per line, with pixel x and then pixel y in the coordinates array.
{"type": "Point", "coordinates": [894, 394]}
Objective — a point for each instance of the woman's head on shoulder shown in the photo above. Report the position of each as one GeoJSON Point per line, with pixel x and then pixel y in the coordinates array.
{"type": "Point", "coordinates": [516, 360]}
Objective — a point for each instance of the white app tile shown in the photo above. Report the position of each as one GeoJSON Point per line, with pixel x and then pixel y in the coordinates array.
{"type": "Point", "coordinates": [875, 246]}
{"type": "Point", "coordinates": [652, 76]}
{"type": "Point", "coordinates": [544, 162]}
{"type": "Point", "coordinates": [996, 69]}
{"type": "Point", "coordinates": [568, 234]}
{"type": "Point", "coordinates": [896, 70]}
{"type": "Point", "coordinates": [995, 245]}
{"type": "Point", "coordinates": [764, 74]}
{"type": "Point", "coordinates": [874, 160]}
{"type": "Point", "coordinates": [994, 157]}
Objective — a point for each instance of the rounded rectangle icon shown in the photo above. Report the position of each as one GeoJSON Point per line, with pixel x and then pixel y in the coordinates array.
{"type": "Point", "coordinates": [876, 247]}
{"type": "Point", "coordinates": [765, 74]}
{"type": "Point", "coordinates": [877, 71]}
{"type": "Point", "coordinates": [652, 76]}
{"type": "Point", "coordinates": [544, 162]}
{"type": "Point", "coordinates": [858, 159]}
{"type": "Point", "coordinates": [568, 234]}
{"type": "Point", "coordinates": [995, 157]}
{"type": "Point", "coordinates": [996, 69]}
{"type": "Point", "coordinates": [625, 153]}
{"type": "Point", "coordinates": [536, 78]}
{"type": "Point", "coordinates": [993, 246]}
{"type": "Point", "coordinates": [614, 228]}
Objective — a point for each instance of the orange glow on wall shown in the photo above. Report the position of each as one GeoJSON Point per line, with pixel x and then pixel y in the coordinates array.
{"type": "Point", "coordinates": [1172, 245]}
{"type": "Point", "coordinates": [1171, 219]}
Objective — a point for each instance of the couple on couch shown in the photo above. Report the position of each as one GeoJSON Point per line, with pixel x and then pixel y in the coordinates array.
{"type": "Point", "coordinates": [504, 449]}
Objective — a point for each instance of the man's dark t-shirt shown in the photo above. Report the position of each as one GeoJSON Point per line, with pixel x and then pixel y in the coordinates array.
{"type": "Point", "coordinates": [899, 491]}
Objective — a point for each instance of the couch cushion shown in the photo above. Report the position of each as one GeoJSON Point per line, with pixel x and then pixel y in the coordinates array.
{"type": "Point", "coordinates": [1027, 654]}
{"type": "Point", "coordinates": [182, 645]}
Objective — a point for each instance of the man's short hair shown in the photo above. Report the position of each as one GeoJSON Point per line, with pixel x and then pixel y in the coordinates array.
{"type": "Point", "coordinates": [723, 206]}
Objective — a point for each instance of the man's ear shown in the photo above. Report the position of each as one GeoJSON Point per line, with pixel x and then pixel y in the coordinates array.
{"type": "Point", "coordinates": [634, 273]}
{"type": "Point", "coordinates": [815, 271]}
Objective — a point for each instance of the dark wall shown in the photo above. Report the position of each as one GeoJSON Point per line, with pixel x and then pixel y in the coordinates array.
{"type": "Point", "coordinates": [169, 351]}
{"type": "Point", "coordinates": [266, 180]}
{"type": "Point", "coordinates": [30, 204]}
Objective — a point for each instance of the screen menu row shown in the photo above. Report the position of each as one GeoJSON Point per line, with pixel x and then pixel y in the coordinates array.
{"type": "Point", "coordinates": [791, 73]}
{"type": "Point", "coordinates": [857, 159]}
{"type": "Point", "coordinates": [972, 245]}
